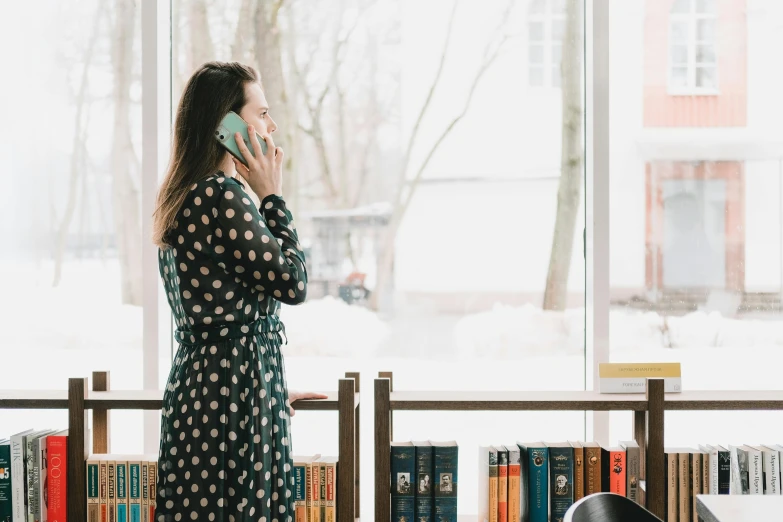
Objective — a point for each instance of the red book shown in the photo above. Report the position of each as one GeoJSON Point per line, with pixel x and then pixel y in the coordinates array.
{"type": "Point", "coordinates": [617, 471]}
{"type": "Point", "coordinates": [56, 483]}
{"type": "Point", "coordinates": [502, 484]}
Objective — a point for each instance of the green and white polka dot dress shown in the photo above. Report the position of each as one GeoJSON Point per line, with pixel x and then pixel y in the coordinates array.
{"type": "Point", "coordinates": [225, 446]}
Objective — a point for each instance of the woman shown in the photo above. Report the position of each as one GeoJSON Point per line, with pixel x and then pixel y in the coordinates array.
{"type": "Point", "coordinates": [225, 447]}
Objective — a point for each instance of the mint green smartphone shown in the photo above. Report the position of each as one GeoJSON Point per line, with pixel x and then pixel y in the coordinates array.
{"type": "Point", "coordinates": [228, 127]}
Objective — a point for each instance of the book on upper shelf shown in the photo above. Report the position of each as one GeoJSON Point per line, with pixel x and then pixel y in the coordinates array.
{"type": "Point", "coordinates": [632, 377]}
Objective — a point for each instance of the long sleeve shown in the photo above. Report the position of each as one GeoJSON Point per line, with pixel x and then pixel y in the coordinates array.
{"type": "Point", "coordinates": [263, 251]}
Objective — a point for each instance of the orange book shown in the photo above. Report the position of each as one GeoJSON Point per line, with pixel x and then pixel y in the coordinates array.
{"type": "Point", "coordinates": [617, 479]}
{"type": "Point", "coordinates": [502, 484]}
{"type": "Point", "coordinates": [152, 480]}
{"type": "Point", "coordinates": [104, 477]}
{"type": "Point", "coordinates": [514, 478]}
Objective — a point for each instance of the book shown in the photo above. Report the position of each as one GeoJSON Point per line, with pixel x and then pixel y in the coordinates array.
{"type": "Point", "coordinates": [613, 470]}
{"type": "Point", "coordinates": [579, 470]}
{"type": "Point", "coordinates": [502, 484]}
{"type": "Point", "coordinates": [302, 486]}
{"type": "Point", "coordinates": [403, 470]}
{"type": "Point", "coordinates": [6, 512]}
{"type": "Point", "coordinates": [538, 481]}
{"type": "Point", "coordinates": [121, 490]}
{"type": "Point", "coordinates": [152, 484]}
{"type": "Point", "coordinates": [19, 474]}
{"type": "Point", "coordinates": [593, 468]}
{"type": "Point", "coordinates": [671, 491]}
{"type": "Point", "coordinates": [134, 488]}
{"type": "Point", "coordinates": [446, 459]}
{"type": "Point", "coordinates": [632, 377]}
{"type": "Point", "coordinates": [488, 484]}
{"type": "Point", "coordinates": [740, 484]}
{"type": "Point", "coordinates": [322, 488]}
{"type": "Point", "coordinates": [425, 469]}
{"type": "Point", "coordinates": [524, 483]}
{"type": "Point", "coordinates": [315, 494]}
{"type": "Point", "coordinates": [111, 500]}
{"type": "Point", "coordinates": [145, 494]}
{"type": "Point", "coordinates": [695, 481]}
{"type": "Point", "coordinates": [93, 490]}
{"type": "Point", "coordinates": [771, 469]}
{"type": "Point", "coordinates": [705, 472]}
{"type": "Point", "coordinates": [33, 471]}
{"type": "Point", "coordinates": [56, 480]}
{"type": "Point", "coordinates": [330, 476]}
{"type": "Point", "coordinates": [514, 511]}
{"type": "Point", "coordinates": [632, 469]}
{"type": "Point", "coordinates": [683, 485]}
{"type": "Point", "coordinates": [561, 479]}
{"type": "Point", "coordinates": [755, 470]}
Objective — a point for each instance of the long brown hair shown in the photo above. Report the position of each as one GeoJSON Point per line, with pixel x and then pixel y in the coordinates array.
{"type": "Point", "coordinates": [214, 89]}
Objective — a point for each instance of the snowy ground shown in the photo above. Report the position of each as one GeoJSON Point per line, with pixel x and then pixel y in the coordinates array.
{"type": "Point", "coordinates": [50, 335]}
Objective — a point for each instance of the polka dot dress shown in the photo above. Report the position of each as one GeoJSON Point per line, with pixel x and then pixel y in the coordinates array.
{"type": "Point", "coordinates": [225, 446]}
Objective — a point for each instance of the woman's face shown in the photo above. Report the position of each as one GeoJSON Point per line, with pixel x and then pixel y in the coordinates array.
{"type": "Point", "coordinates": [256, 110]}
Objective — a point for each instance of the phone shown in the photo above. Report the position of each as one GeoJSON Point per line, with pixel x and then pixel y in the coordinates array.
{"type": "Point", "coordinates": [228, 127]}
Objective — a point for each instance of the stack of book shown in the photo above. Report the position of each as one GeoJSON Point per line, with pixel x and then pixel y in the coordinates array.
{"type": "Point", "coordinates": [718, 470]}
{"type": "Point", "coordinates": [424, 481]}
{"type": "Point", "coordinates": [121, 488]}
{"type": "Point", "coordinates": [538, 481]}
{"type": "Point", "coordinates": [33, 485]}
{"type": "Point", "coordinates": [315, 488]}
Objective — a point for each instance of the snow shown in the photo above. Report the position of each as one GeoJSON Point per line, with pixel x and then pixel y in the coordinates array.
{"type": "Point", "coordinates": [50, 334]}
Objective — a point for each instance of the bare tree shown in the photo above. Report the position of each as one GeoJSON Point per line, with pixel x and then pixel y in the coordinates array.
{"type": "Point", "coordinates": [571, 161]}
{"type": "Point", "coordinates": [407, 188]}
{"type": "Point", "coordinates": [78, 148]}
{"type": "Point", "coordinates": [201, 49]}
{"type": "Point", "coordinates": [125, 193]}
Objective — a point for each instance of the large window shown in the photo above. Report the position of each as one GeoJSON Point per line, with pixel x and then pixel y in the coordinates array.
{"type": "Point", "coordinates": [70, 264]}
{"type": "Point", "coordinates": [693, 49]}
{"type": "Point", "coordinates": [696, 195]}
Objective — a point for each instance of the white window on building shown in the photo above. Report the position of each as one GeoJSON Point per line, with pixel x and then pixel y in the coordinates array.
{"type": "Point", "coordinates": [546, 26]}
{"type": "Point", "coordinates": [693, 63]}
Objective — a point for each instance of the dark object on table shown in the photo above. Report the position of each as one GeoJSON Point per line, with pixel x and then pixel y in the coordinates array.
{"type": "Point", "coordinates": [608, 507]}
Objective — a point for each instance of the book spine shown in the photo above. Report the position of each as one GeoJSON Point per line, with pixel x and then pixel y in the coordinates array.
{"type": "Point", "coordinates": [632, 470]}
{"type": "Point", "coordinates": [684, 487]}
{"type": "Point", "coordinates": [539, 494]}
{"type": "Point", "coordinates": [755, 469]}
{"type": "Point", "coordinates": [446, 459]}
{"type": "Point", "coordinates": [134, 491]}
{"type": "Point", "coordinates": [714, 475]}
{"type": "Point", "coordinates": [309, 490]}
{"type": "Point", "coordinates": [57, 478]}
{"type": "Point", "coordinates": [502, 486]}
{"type": "Point", "coordinates": [724, 472]}
{"type": "Point", "coordinates": [672, 499]}
{"type": "Point", "coordinates": [424, 481]}
{"type": "Point", "coordinates": [104, 485]}
{"type": "Point", "coordinates": [579, 473]}
{"type": "Point", "coordinates": [315, 512]}
{"type": "Point", "coordinates": [152, 484]}
{"type": "Point", "coordinates": [561, 486]}
{"type": "Point", "coordinates": [331, 515]}
{"type": "Point", "coordinates": [40, 480]}
{"type": "Point", "coordinates": [300, 497]}
{"type": "Point", "coordinates": [93, 491]}
{"type": "Point", "coordinates": [122, 491]}
{"type": "Point", "coordinates": [30, 459]}
{"type": "Point", "coordinates": [18, 488]}
{"type": "Point", "coordinates": [494, 479]}
{"type": "Point", "coordinates": [617, 481]}
{"type": "Point", "coordinates": [322, 491]}
{"type": "Point", "coordinates": [112, 499]}
{"type": "Point", "coordinates": [524, 483]}
{"type": "Point", "coordinates": [6, 495]}
{"type": "Point", "coordinates": [705, 473]}
{"type": "Point", "coordinates": [403, 469]}
{"type": "Point", "coordinates": [145, 501]}
{"type": "Point", "coordinates": [514, 511]}
{"type": "Point", "coordinates": [695, 472]}
{"type": "Point", "coordinates": [771, 472]}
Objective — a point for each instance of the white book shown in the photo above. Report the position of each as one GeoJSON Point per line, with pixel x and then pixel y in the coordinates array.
{"type": "Point", "coordinates": [755, 470]}
{"type": "Point", "coordinates": [779, 449]}
{"type": "Point", "coordinates": [739, 484]}
{"type": "Point", "coordinates": [33, 484]}
{"type": "Point", "coordinates": [771, 471]}
{"type": "Point", "coordinates": [18, 476]}
{"type": "Point", "coordinates": [712, 455]}
{"type": "Point", "coordinates": [488, 457]}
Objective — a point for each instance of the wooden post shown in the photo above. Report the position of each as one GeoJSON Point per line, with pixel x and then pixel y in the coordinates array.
{"type": "Point", "coordinates": [388, 375]}
{"type": "Point", "coordinates": [101, 423]}
{"type": "Point", "coordinates": [382, 450]}
{"type": "Point", "coordinates": [357, 437]}
{"type": "Point", "coordinates": [655, 467]}
{"type": "Point", "coordinates": [77, 427]}
{"type": "Point", "coordinates": [345, 465]}
{"type": "Point", "coordinates": [640, 436]}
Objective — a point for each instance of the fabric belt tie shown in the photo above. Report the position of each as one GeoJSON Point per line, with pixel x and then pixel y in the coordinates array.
{"type": "Point", "coordinates": [200, 334]}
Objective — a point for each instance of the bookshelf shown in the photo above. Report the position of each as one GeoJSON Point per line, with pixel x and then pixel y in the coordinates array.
{"type": "Point", "coordinates": [101, 400]}
{"type": "Point", "coordinates": [648, 414]}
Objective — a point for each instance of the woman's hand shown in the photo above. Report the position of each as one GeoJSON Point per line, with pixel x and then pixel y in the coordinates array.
{"type": "Point", "coordinates": [264, 172]}
{"type": "Point", "coordinates": [295, 396]}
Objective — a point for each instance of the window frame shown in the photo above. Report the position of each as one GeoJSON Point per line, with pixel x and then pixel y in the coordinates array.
{"type": "Point", "coordinates": [691, 20]}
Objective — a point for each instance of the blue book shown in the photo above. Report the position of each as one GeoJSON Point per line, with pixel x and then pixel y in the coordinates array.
{"type": "Point", "coordinates": [122, 491]}
{"type": "Point", "coordinates": [403, 471]}
{"type": "Point", "coordinates": [561, 479]}
{"type": "Point", "coordinates": [424, 482]}
{"type": "Point", "coordinates": [445, 456]}
{"type": "Point", "coordinates": [6, 514]}
{"type": "Point", "coordinates": [538, 480]}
